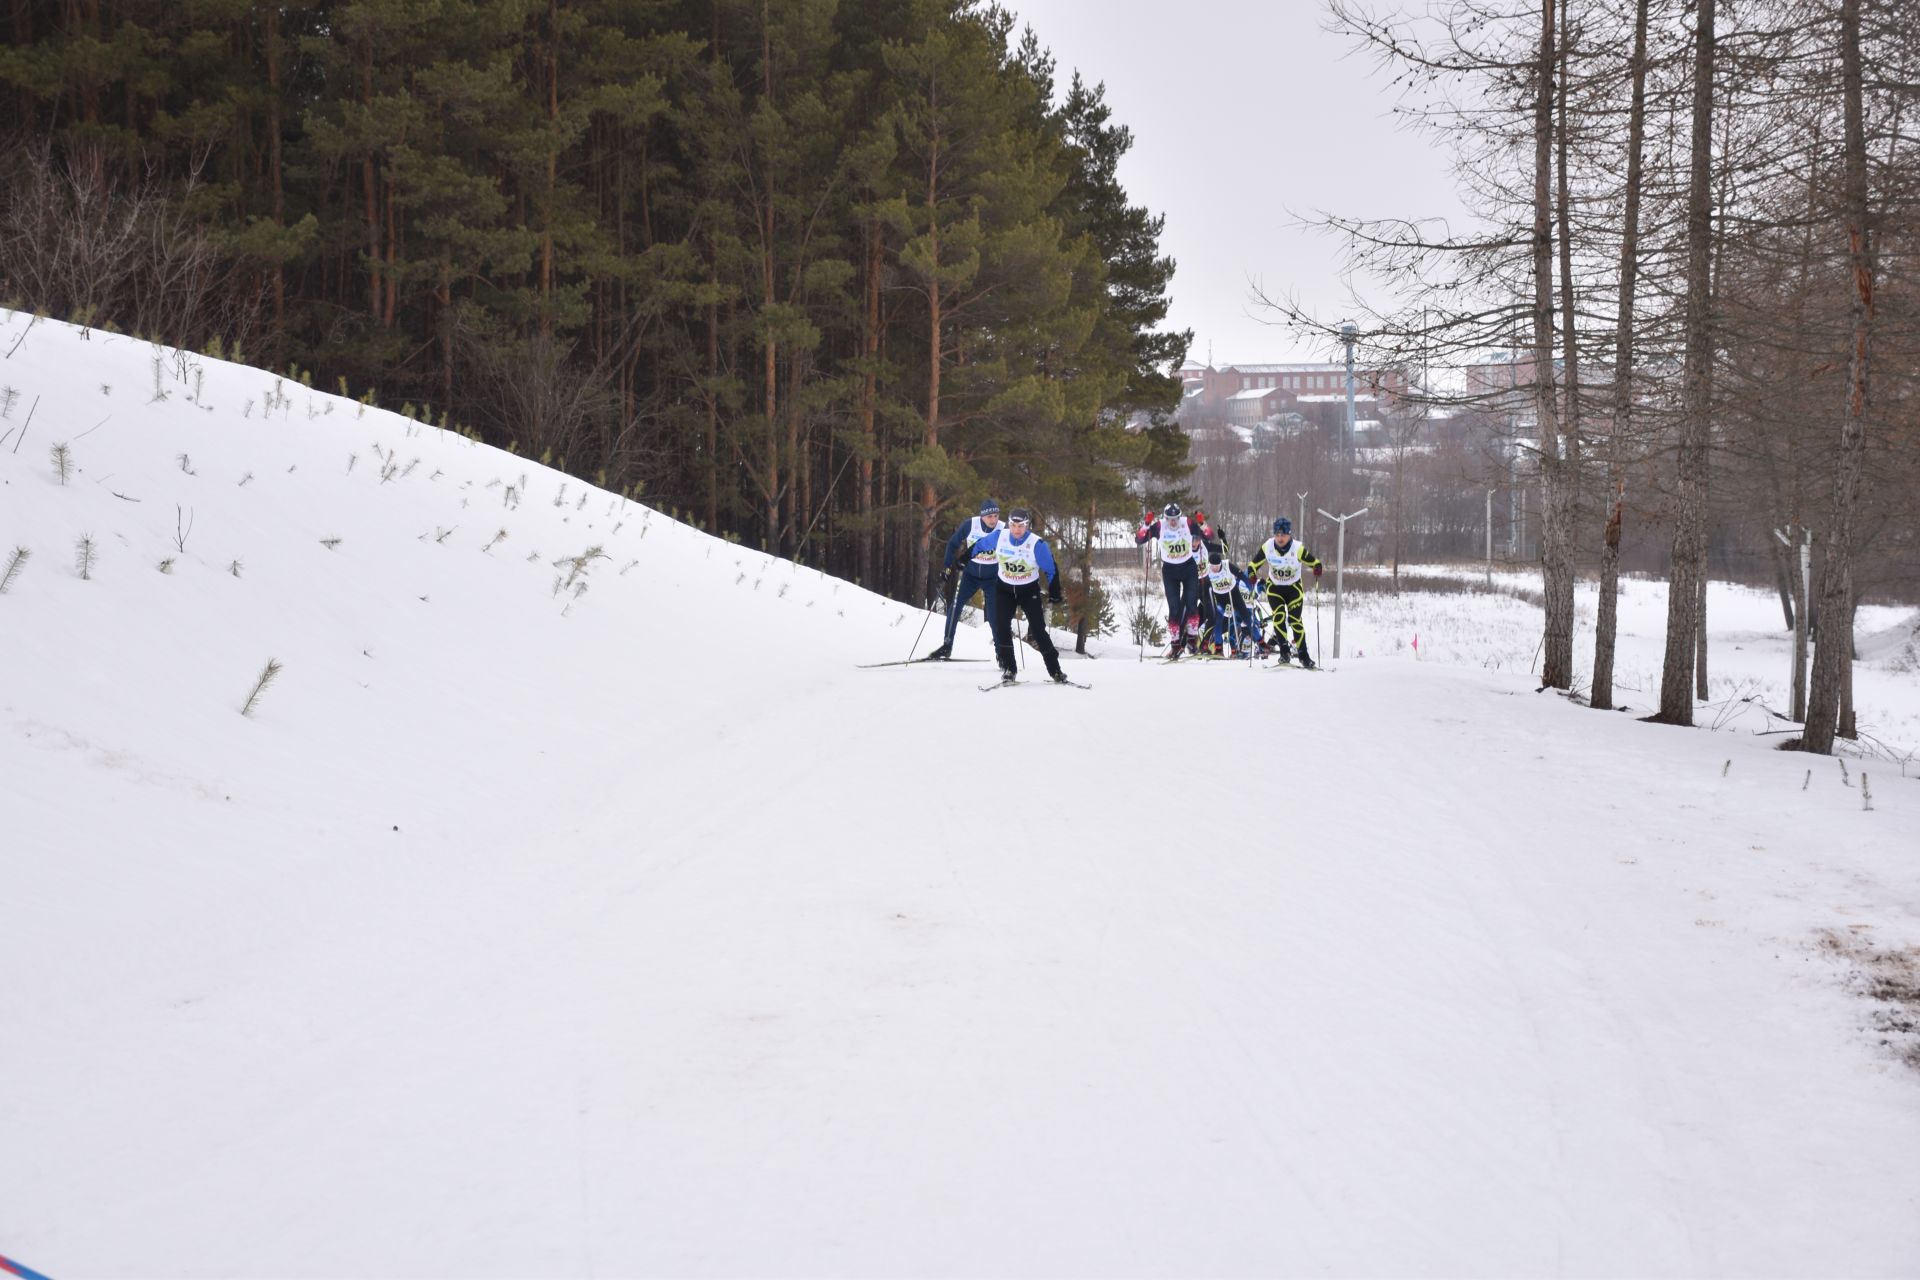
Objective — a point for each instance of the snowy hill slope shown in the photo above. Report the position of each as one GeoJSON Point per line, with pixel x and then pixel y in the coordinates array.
{"type": "Point", "coordinates": [515, 933]}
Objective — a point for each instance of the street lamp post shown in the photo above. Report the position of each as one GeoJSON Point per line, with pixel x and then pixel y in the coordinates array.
{"type": "Point", "coordinates": [1340, 568]}
{"type": "Point", "coordinates": [1347, 335]}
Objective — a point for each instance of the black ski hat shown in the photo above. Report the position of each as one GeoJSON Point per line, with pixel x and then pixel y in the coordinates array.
{"type": "Point", "coordinates": [1172, 511]}
{"type": "Point", "coordinates": [1019, 516]}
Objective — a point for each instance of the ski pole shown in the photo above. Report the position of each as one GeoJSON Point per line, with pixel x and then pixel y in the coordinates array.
{"type": "Point", "coordinates": [1140, 630]}
{"type": "Point", "coordinates": [1316, 619]}
{"type": "Point", "coordinates": [921, 632]}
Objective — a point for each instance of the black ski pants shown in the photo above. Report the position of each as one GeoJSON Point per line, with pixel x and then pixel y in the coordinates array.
{"type": "Point", "coordinates": [1232, 619]}
{"type": "Point", "coordinates": [1028, 598]}
{"type": "Point", "coordinates": [1182, 582]}
{"type": "Point", "coordinates": [1287, 602]}
{"type": "Point", "coordinates": [970, 582]}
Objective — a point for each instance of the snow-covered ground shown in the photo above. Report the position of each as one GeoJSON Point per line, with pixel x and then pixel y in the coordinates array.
{"type": "Point", "coordinates": [520, 931]}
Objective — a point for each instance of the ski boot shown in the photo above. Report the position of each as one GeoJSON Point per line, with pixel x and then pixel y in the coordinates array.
{"type": "Point", "coordinates": [939, 655]}
{"type": "Point", "coordinates": [1057, 676]}
{"type": "Point", "coordinates": [1283, 653]}
{"type": "Point", "coordinates": [1179, 642]}
{"type": "Point", "coordinates": [1305, 661]}
{"type": "Point", "coordinates": [1009, 677]}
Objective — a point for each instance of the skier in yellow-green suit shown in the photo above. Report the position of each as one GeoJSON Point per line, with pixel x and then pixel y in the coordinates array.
{"type": "Point", "coordinates": [1280, 561]}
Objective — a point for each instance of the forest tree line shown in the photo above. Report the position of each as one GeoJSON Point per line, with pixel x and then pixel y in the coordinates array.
{"type": "Point", "coordinates": [816, 274]}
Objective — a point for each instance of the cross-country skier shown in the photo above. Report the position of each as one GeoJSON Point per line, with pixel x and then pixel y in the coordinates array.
{"type": "Point", "coordinates": [978, 575]}
{"type": "Point", "coordinates": [1023, 559]}
{"type": "Point", "coordinates": [1180, 541]}
{"type": "Point", "coordinates": [1280, 559]}
{"type": "Point", "coordinates": [1233, 627]}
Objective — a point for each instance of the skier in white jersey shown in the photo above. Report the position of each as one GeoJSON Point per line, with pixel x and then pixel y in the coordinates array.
{"type": "Point", "coordinates": [1234, 630]}
{"type": "Point", "coordinates": [1023, 560]}
{"type": "Point", "coordinates": [1280, 559]}
{"type": "Point", "coordinates": [1182, 543]}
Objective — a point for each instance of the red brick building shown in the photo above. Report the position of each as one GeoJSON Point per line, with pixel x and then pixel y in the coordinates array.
{"type": "Point", "coordinates": [1244, 394]}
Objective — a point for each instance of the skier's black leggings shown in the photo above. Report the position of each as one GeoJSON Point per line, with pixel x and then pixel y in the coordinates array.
{"type": "Point", "coordinates": [1182, 582]}
{"type": "Point", "coordinates": [1286, 601]}
{"type": "Point", "coordinates": [1230, 612]}
{"type": "Point", "coordinates": [1027, 598]}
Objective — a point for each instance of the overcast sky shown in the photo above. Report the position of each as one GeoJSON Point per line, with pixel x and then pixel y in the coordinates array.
{"type": "Point", "coordinates": [1245, 114]}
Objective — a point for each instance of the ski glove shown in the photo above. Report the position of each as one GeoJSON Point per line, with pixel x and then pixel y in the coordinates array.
{"type": "Point", "coordinates": [1054, 596]}
{"type": "Point", "coordinates": [1316, 571]}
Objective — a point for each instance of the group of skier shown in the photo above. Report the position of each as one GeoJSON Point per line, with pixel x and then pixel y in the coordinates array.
{"type": "Point", "coordinates": [1214, 606]}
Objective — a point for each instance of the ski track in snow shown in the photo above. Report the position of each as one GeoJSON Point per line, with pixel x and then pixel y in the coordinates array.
{"type": "Point", "coordinates": [652, 938]}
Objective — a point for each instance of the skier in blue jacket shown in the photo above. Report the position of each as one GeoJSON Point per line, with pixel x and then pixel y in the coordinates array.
{"type": "Point", "coordinates": [1023, 560]}
{"type": "Point", "coordinates": [966, 546]}
{"type": "Point", "coordinates": [1234, 630]}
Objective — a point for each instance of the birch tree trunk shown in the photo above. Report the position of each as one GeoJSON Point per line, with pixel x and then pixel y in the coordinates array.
{"type": "Point", "coordinates": [1833, 655]}
{"type": "Point", "coordinates": [1556, 526]}
{"type": "Point", "coordinates": [1606, 626]}
{"type": "Point", "coordinates": [1690, 515]}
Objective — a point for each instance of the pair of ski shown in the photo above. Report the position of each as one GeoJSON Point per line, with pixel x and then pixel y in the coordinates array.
{"type": "Point", "coordinates": [1277, 666]}
{"type": "Point", "coordinates": [914, 662]}
{"type": "Point", "coordinates": [1027, 684]}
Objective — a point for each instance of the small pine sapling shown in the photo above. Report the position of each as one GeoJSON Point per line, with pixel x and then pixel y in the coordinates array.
{"type": "Point", "coordinates": [496, 540]}
{"type": "Point", "coordinates": [235, 568]}
{"type": "Point", "coordinates": [86, 554]}
{"type": "Point", "coordinates": [166, 566]}
{"type": "Point", "coordinates": [15, 563]}
{"type": "Point", "coordinates": [267, 674]}
{"type": "Point", "coordinates": [62, 462]}
{"type": "Point", "coordinates": [186, 464]}
{"type": "Point", "coordinates": [330, 543]}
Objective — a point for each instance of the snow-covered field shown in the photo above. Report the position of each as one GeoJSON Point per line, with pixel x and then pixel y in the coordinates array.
{"type": "Point", "coordinates": [1750, 654]}
{"type": "Point", "coordinates": [525, 931]}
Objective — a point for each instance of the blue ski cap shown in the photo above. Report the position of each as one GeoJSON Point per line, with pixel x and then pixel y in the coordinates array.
{"type": "Point", "coordinates": [1172, 511]}
{"type": "Point", "coordinates": [989, 508]}
{"type": "Point", "coordinates": [1283, 525]}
